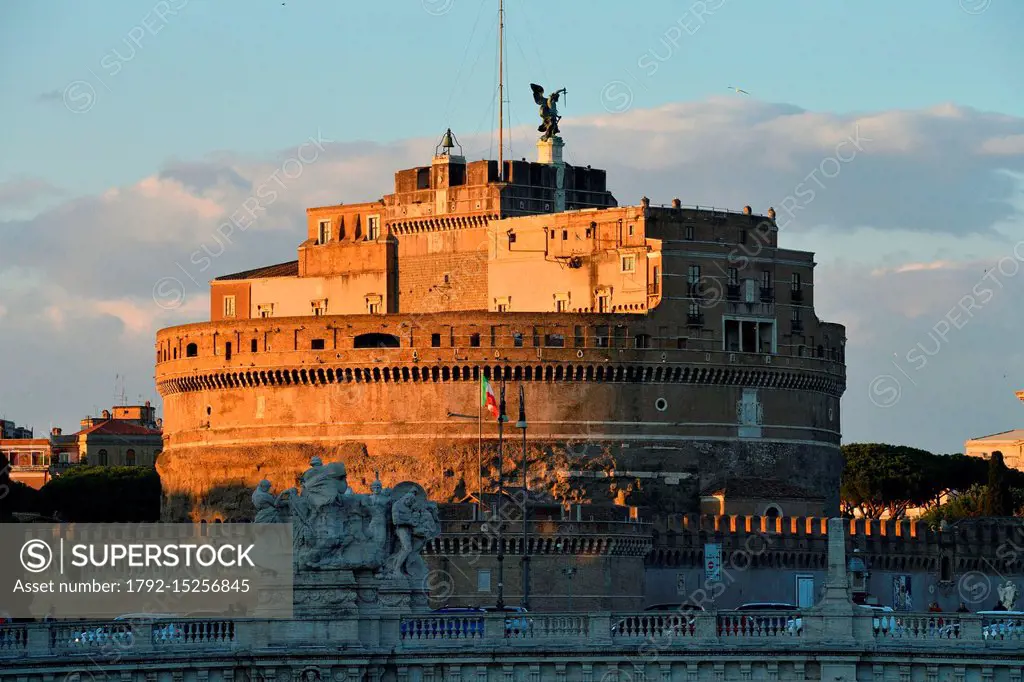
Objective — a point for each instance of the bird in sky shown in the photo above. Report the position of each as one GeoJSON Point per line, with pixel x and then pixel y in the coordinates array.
{"type": "Point", "coordinates": [738, 90]}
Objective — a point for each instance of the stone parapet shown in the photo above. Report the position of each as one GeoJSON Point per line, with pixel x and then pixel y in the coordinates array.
{"type": "Point", "coordinates": [594, 646]}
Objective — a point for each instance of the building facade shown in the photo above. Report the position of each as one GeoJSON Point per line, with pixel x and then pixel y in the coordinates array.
{"type": "Point", "coordinates": [660, 348]}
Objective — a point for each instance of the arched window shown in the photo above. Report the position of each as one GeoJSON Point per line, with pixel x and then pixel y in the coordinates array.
{"type": "Point", "coordinates": [129, 457]}
{"type": "Point", "coordinates": [772, 511]}
{"type": "Point", "coordinates": [101, 458]}
{"type": "Point", "coordinates": [191, 350]}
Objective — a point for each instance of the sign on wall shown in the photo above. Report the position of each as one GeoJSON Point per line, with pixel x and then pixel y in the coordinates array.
{"type": "Point", "coordinates": [902, 597]}
{"type": "Point", "coordinates": [712, 562]}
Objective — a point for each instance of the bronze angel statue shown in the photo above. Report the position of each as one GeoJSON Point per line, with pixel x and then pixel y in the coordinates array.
{"type": "Point", "coordinates": [548, 111]}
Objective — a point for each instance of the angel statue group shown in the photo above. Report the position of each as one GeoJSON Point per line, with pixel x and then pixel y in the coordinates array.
{"type": "Point", "coordinates": [548, 111]}
{"type": "Point", "coordinates": [337, 529]}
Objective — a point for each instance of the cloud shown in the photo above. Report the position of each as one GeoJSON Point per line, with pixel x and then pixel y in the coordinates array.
{"type": "Point", "coordinates": [904, 209]}
{"type": "Point", "coordinates": [25, 192]}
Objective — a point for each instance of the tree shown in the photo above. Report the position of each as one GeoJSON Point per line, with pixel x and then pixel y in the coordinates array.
{"type": "Point", "coordinates": [967, 504]}
{"type": "Point", "coordinates": [100, 494]}
{"type": "Point", "coordinates": [15, 496]}
{"type": "Point", "coordinates": [879, 478]}
{"type": "Point", "coordinates": [998, 500]}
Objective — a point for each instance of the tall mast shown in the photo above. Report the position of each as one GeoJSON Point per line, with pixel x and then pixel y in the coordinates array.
{"type": "Point", "coordinates": [501, 90]}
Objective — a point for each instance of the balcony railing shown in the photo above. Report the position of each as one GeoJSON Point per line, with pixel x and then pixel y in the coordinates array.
{"type": "Point", "coordinates": [927, 634]}
{"type": "Point", "coordinates": [695, 320]}
{"type": "Point", "coordinates": [797, 326]}
{"type": "Point", "coordinates": [732, 293]}
{"type": "Point", "coordinates": [796, 295]}
{"type": "Point", "coordinates": [653, 289]}
{"type": "Point", "coordinates": [767, 294]}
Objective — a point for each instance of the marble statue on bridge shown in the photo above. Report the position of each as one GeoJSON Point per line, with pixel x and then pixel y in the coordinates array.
{"type": "Point", "coordinates": [336, 529]}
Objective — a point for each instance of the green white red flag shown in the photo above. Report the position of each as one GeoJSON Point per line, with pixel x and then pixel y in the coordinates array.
{"type": "Point", "coordinates": [487, 399]}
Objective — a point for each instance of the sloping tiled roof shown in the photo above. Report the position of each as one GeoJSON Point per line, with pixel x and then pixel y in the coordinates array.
{"type": "Point", "coordinates": [117, 427]}
{"type": "Point", "coordinates": [289, 269]}
{"type": "Point", "coordinates": [759, 488]}
{"type": "Point", "coordinates": [1005, 436]}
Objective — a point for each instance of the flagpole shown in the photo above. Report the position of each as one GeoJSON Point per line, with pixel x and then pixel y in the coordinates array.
{"type": "Point", "coordinates": [501, 495]}
{"type": "Point", "coordinates": [480, 449]}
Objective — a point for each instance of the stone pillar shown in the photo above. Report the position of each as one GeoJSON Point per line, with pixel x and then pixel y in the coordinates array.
{"type": "Point", "coordinates": [837, 585]}
{"type": "Point", "coordinates": [550, 152]}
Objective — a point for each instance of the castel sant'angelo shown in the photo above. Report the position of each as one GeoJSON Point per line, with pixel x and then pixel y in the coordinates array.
{"type": "Point", "coordinates": [662, 351]}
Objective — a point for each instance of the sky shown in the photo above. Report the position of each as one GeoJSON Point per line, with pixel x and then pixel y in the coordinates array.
{"type": "Point", "coordinates": [889, 136]}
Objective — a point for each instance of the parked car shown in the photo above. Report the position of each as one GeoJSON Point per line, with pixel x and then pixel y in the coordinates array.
{"type": "Point", "coordinates": [881, 622]}
{"type": "Point", "coordinates": [793, 625]}
{"type": "Point", "coordinates": [514, 625]}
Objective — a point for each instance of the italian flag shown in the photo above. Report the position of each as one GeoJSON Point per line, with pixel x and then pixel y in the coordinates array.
{"type": "Point", "coordinates": [487, 399]}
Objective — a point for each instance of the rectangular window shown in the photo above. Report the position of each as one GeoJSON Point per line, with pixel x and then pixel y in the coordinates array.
{"type": "Point", "coordinates": [688, 233]}
{"type": "Point", "coordinates": [517, 339]}
{"type": "Point", "coordinates": [253, 346]}
{"type": "Point", "coordinates": [554, 341]}
{"type": "Point", "coordinates": [796, 283]}
{"type": "Point", "coordinates": [323, 232]}
{"type": "Point", "coordinates": [435, 340]}
{"type": "Point", "coordinates": [266, 310]}
{"type": "Point", "coordinates": [693, 274]}
{"type": "Point", "coordinates": [502, 307]}
{"type": "Point", "coordinates": [316, 344]}
{"type": "Point", "coordinates": [536, 337]}
{"type": "Point", "coordinates": [373, 308]}
{"type": "Point", "coordinates": [766, 279]}
{"type": "Point", "coordinates": [795, 316]}
{"type": "Point", "coordinates": [578, 336]}
{"type": "Point", "coordinates": [629, 263]}
{"type": "Point", "coordinates": [601, 337]}
{"type": "Point", "coordinates": [694, 310]}
{"type": "Point", "coordinates": [474, 340]}
{"type": "Point", "coordinates": [602, 303]}
{"type": "Point", "coordinates": [483, 580]}
{"type": "Point", "coordinates": [229, 306]}
{"type": "Point", "coordinates": [734, 277]}
{"type": "Point", "coordinates": [630, 230]}
{"type": "Point", "coordinates": [565, 235]}
{"type": "Point", "coordinates": [319, 306]}
{"type": "Point", "coordinates": [372, 228]}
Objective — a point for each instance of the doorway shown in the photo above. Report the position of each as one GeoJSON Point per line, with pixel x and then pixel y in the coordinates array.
{"type": "Point", "coordinates": [805, 591]}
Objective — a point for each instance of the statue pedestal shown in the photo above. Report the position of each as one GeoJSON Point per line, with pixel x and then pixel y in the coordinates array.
{"type": "Point", "coordinates": [550, 152]}
{"type": "Point", "coordinates": [324, 594]}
